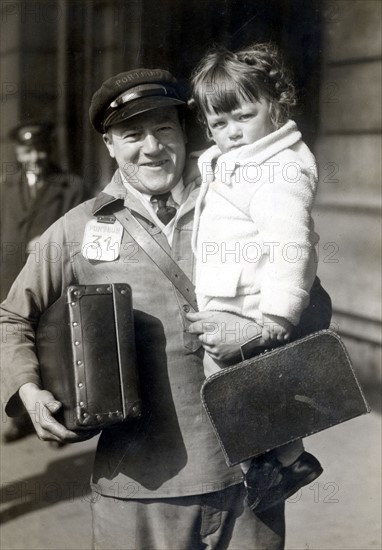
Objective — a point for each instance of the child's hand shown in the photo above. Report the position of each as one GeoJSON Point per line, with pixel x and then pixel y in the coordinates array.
{"type": "Point", "coordinates": [276, 328]}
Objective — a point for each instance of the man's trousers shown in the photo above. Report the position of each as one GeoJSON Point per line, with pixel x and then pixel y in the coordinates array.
{"type": "Point", "coordinates": [220, 520]}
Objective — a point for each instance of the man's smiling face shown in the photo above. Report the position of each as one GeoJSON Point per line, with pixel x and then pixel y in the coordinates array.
{"type": "Point", "coordinates": [150, 149]}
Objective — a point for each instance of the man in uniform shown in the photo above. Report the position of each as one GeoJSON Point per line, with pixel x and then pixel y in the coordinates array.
{"type": "Point", "coordinates": [33, 195]}
{"type": "Point", "coordinates": [160, 482]}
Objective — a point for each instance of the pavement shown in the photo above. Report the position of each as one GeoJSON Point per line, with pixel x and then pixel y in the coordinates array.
{"type": "Point", "coordinates": [45, 493]}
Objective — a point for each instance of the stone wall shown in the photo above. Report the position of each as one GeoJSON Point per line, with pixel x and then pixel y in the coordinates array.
{"type": "Point", "coordinates": [348, 151]}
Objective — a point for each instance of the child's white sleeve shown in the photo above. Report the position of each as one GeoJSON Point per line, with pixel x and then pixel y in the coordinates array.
{"type": "Point", "coordinates": [281, 210]}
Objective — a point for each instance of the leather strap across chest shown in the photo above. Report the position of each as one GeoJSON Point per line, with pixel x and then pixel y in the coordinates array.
{"type": "Point", "coordinates": [159, 256]}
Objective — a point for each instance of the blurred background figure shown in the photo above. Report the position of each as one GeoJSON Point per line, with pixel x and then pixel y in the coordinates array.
{"type": "Point", "coordinates": [33, 195]}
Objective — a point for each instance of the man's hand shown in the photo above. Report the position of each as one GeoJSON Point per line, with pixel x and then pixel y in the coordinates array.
{"type": "Point", "coordinates": [41, 406]}
{"type": "Point", "coordinates": [223, 333]}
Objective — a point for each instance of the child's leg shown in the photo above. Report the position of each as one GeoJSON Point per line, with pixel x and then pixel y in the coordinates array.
{"type": "Point", "coordinates": [278, 474]}
{"type": "Point", "coordinates": [246, 465]}
{"type": "Point", "coordinates": [210, 365]}
{"type": "Point", "coordinates": [289, 453]}
{"type": "Point", "coordinates": [269, 481]}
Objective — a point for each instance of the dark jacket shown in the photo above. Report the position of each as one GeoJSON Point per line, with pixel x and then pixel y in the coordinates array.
{"type": "Point", "coordinates": [23, 219]}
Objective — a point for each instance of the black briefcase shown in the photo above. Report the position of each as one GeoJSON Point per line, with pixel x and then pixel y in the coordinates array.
{"type": "Point", "coordinates": [282, 395]}
{"type": "Point", "coordinates": [86, 351]}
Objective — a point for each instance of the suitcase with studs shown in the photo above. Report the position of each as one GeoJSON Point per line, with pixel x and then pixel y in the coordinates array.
{"type": "Point", "coordinates": [86, 351]}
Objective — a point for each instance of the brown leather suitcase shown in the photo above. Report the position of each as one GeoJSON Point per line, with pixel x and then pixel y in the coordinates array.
{"type": "Point", "coordinates": [282, 395]}
{"type": "Point", "coordinates": [86, 350]}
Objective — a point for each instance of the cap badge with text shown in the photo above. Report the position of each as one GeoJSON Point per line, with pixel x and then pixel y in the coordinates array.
{"type": "Point", "coordinates": [133, 92]}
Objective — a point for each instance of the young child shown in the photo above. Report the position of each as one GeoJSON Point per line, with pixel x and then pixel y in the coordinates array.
{"type": "Point", "coordinates": [253, 233]}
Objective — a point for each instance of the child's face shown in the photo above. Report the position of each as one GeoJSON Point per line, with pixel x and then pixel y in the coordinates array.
{"type": "Point", "coordinates": [242, 126]}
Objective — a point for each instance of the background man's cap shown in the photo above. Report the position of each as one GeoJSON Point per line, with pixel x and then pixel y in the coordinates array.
{"type": "Point", "coordinates": [131, 93]}
{"type": "Point", "coordinates": [37, 134]}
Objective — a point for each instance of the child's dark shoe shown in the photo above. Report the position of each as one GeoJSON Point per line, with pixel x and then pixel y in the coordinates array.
{"type": "Point", "coordinates": [262, 474]}
{"type": "Point", "coordinates": [302, 472]}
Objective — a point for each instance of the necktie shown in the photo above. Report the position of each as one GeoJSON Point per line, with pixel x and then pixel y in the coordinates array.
{"type": "Point", "coordinates": [164, 212]}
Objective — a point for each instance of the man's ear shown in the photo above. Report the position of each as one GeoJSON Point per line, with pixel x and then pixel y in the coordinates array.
{"type": "Point", "coordinates": [108, 141]}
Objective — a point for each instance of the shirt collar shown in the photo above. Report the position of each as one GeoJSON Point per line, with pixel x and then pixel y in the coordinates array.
{"type": "Point", "coordinates": [177, 192]}
{"type": "Point", "coordinates": [115, 190]}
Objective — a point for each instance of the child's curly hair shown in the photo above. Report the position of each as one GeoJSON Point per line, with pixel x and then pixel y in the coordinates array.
{"type": "Point", "coordinates": [222, 78]}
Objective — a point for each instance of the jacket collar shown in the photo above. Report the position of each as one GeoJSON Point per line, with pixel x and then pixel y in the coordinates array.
{"type": "Point", "coordinates": [115, 192]}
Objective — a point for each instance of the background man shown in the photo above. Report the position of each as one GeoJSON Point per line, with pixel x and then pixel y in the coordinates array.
{"type": "Point", "coordinates": [33, 196]}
